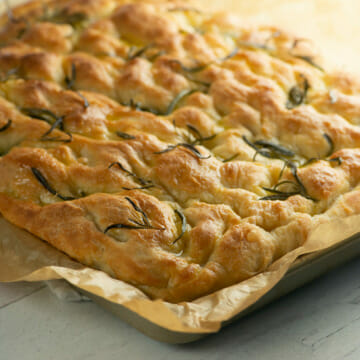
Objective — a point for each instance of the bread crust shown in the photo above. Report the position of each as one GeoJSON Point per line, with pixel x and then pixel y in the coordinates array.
{"type": "Point", "coordinates": [171, 148]}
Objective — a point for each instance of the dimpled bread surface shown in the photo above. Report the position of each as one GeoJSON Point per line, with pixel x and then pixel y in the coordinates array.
{"type": "Point", "coordinates": [172, 148]}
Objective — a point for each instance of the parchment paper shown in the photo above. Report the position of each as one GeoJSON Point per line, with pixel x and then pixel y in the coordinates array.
{"type": "Point", "coordinates": [332, 23]}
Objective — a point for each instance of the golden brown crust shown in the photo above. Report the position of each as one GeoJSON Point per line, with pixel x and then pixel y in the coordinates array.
{"type": "Point", "coordinates": [171, 148]}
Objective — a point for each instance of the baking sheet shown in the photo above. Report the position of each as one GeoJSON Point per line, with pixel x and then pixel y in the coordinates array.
{"type": "Point", "coordinates": [304, 270]}
{"type": "Point", "coordinates": [24, 257]}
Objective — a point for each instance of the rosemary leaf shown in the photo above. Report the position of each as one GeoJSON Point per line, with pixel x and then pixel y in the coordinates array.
{"type": "Point", "coordinates": [177, 99]}
{"type": "Point", "coordinates": [58, 123]}
{"type": "Point", "coordinates": [6, 126]}
{"type": "Point", "coordinates": [299, 188]}
{"type": "Point", "coordinates": [41, 114]}
{"type": "Point", "coordinates": [125, 136]}
{"type": "Point", "coordinates": [275, 147]}
{"type": "Point", "coordinates": [146, 225]}
{"type": "Point", "coordinates": [269, 149]}
{"type": "Point", "coordinates": [283, 196]}
{"type": "Point", "coordinates": [70, 81]}
{"type": "Point", "coordinates": [136, 208]}
{"type": "Point", "coordinates": [84, 99]}
{"type": "Point", "coordinates": [279, 192]}
{"type": "Point", "coordinates": [331, 144]}
{"type": "Point", "coordinates": [58, 138]}
{"type": "Point", "coordinates": [125, 226]}
{"type": "Point", "coordinates": [121, 166]}
{"type": "Point", "coordinates": [41, 179]}
{"type": "Point", "coordinates": [156, 55]}
{"type": "Point", "coordinates": [140, 187]}
{"type": "Point", "coordinates": [297, 95]}
{"type": "Point", "coordinates": [138, 107]}
{"type": "Point", "coordinates": [336, 160]}
{"type": "Point", "coordinates": [199, 138]}
{"type": "Point", "coordinates": [183, 225]}
{"type": "Point", "coordinates": [190, 147]}
{"type": "Point", "coordinates": [309, 60]}
{"type": "Point", "coordinates": [231, 55]}
{"type": "Point", "coordinates": [70, 85]}
{"type": "Point", "coordinates": [134, 54]}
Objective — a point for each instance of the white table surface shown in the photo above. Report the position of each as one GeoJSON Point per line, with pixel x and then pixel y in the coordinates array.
{"type": "Point", "coordinates": [318, 321]}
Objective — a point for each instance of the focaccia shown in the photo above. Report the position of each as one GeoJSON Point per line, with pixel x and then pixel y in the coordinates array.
{"type": "Point", "coordinates": [174, 149]}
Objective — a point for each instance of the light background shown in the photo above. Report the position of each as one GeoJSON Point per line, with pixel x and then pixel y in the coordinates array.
{"type": "Point", "coordinates": [334, 25]}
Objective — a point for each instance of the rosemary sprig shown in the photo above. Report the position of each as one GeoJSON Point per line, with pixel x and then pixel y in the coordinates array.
{"type": "Point", "coordinates": [269, 149]}
{"type": "Point", "coordinates": [139, 179]}
{"type": "Point", "coordinates": [199, 138]}
{"type": "Point", "coordinates": [126, 226]}
{"type": "Point", "coordinates": [297, 95]}
{"type": "Point", "coordinates": [281, 150]}
{"type": "Point", "coordinates": [70, 84]}
{"type": "Point", "coordinates": [41, 179]}
{"type": "Point", "coordinates": [139, 210]}
{"type": "Point", "coordinates": [177, 99]}
{"type": "Point", "coordinates": [183, 225]}
{"type": "Point", "coordinates": [70, 81]}
{"type": "Point", "coordinates": [138, 107]}
{"type": "Point", "coordinates": [41, 114]}
{"type": "Point", "coordinates": [59, 122]}
{"type": "Point", "coordinates": [144, 225]}
{"type": "Point", "coordinates": [190, 147]}
{"type": "Point", "coordinates": [125, 136]}
{"type": "Point", "coordinates": [299, 188]}
{"type": "Point", "coordinates": [6, 126]}
{"type": "Point", "coordinates": [331, 150]}
{"type": "Point", "coordinates": [52, 119]}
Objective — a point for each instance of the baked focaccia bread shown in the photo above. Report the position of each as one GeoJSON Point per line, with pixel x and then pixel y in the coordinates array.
{"type": "Point", "coordinates": [171, 148]}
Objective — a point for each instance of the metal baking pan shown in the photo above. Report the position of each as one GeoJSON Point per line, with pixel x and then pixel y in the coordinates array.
{"type": "Point", "coordinates": [304, 270]}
